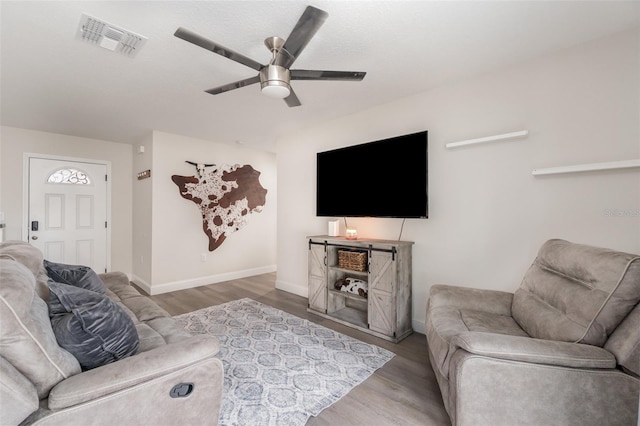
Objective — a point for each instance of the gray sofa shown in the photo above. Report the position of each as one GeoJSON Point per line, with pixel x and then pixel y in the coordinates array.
{"type": "Point", "coordinates": [172, 378]}
{"type": "Point", "coordinates": [564, 349]}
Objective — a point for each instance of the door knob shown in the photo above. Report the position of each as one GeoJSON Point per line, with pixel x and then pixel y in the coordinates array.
{"type": "Point", "coordinates": [35, 237]}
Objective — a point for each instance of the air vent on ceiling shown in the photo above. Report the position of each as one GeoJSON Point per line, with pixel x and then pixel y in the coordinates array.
{"type": "Point", "coordinates": [109, 36]}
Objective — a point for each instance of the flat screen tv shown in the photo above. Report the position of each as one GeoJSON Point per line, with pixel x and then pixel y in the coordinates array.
{"type": "Point", "coordinates": [385, 178]}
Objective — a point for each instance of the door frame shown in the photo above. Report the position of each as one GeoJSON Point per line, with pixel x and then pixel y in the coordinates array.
{"type": "Point", "coordinates": [25, 192]}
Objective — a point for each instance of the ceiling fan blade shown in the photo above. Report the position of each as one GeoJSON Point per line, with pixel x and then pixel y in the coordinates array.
{"type": "Point", "coordinates": [198, 40]}
{"type": "Point", "coordinates": [327, 75]}
{"type": "Point", "coordinates": [292, 100]}
{"type": "Point", "coordinates": [308, 24]}
{"type": "Point", "coordinates": [234, 85]}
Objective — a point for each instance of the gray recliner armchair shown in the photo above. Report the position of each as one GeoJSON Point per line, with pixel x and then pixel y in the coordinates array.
{"type": "Point", "coordinates": [564, 349]}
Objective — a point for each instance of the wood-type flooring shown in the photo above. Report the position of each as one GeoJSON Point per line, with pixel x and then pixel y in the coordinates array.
{"type": "Point", "coordinates": [403, 392]}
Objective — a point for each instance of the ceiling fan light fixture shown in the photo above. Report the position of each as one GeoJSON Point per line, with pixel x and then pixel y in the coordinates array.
{"type": "Point", "coordinates": [276, 89]}
{"type": "Point", "coordinates": [274, 81]}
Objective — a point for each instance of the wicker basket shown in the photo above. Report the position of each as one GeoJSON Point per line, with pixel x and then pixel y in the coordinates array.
{"type": "Point", "coordinates": [353, 260]}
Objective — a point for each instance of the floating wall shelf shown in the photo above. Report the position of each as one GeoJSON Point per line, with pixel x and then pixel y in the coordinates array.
{"type": "Point", "coordinates": [488, 139]}
{"type": "Point", "coordinates": [626, 164]}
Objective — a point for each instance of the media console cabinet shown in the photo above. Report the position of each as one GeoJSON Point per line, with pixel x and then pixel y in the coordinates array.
{"type": "Point", "coordinates": [386, 311]}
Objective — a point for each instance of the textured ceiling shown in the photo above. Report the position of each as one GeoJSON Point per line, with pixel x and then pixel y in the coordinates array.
{"type": "Point", "coordinates": [53, 82]}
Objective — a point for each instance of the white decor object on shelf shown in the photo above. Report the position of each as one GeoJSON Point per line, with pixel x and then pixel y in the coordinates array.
{"type": "Point", "coordinates": [334, 228]}
{"type": "Point", "coordinates": [488, 139]}
{"type": "Point", "coordinates": [625, 164]}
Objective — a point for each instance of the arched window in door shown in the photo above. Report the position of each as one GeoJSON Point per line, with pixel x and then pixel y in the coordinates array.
{"type": "Point", "coordinates": [69, 176]}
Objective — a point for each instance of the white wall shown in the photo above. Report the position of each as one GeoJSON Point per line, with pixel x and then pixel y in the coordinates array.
{"type": "Point", "coordinates": [142, 238]}
{"type": "Point", "coordinates": [156, 235]}
{"type": "Point", "coordinates": [179, 242]}
{"type": "Point", "coordinates": [488, 214]}
{"type": "Point", "coordinates": [16, 142]}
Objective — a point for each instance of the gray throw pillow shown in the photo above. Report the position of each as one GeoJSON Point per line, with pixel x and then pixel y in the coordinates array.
{"type": "Point", "coordinates": [90, 325]}
{"type": "Point", "coordinates": [75, 275]}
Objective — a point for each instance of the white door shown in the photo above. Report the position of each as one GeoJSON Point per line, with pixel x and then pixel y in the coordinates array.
{"type": "Point", "coordinates": [68, 211]}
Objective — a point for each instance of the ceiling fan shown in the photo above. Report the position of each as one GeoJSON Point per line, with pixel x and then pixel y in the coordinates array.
{"type": "Point", "coordinates": [275, 77]}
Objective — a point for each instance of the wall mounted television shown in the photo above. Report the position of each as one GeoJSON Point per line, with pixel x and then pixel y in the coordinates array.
{"type": "Point", "coordinates": [384, 178]}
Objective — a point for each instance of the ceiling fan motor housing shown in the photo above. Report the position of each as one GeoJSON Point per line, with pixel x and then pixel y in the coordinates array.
{"type": "Point", "coordinates": [274, 81]}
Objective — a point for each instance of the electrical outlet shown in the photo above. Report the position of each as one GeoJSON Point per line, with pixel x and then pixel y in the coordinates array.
{"type": "Point", "coordinates": [203, 257]}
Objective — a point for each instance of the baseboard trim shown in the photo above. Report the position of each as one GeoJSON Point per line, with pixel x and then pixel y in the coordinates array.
{"type": "Point", "coordinates": [200, 281]}
{"type": "Point", "coordinates": [300, 290]}
{"type": "Point", "coordinates": [419, 326]}
{"type": "Point", "coordinates": [142, 284]}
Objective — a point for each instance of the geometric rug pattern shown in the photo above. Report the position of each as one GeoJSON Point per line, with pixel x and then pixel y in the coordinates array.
{"type": "Point", "coordinates": [280, 369]}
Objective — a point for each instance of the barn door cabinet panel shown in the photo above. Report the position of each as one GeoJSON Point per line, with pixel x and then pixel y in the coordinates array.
{"type": "Point", "coordinates": [317, 278]}
{"type": "Point", "coordinates": [385, 310]}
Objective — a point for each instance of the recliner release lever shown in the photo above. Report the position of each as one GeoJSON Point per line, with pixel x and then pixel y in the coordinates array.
{"type": "Point", "coordinates": [181, 390]}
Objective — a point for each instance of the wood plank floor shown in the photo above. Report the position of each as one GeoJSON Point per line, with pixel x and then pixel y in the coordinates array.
{"type": "Point", "coordinates": [403, 392]}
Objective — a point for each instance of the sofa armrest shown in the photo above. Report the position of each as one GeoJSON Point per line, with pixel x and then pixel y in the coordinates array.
{"type": "Point", "coordinates": [129, 372]}
{"type": "Point", "coordinates": [491, 301]}
{"type": "Point", "coordinates": [114, 277]}
{"type": "Point", "coordinates": [536, 351]}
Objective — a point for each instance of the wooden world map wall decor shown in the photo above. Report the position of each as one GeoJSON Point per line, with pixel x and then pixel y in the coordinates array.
{"type": "Point", "coordinates": [225, 195]}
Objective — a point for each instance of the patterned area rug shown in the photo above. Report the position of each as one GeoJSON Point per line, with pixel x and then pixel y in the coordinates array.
{"type": "Point", "coordinates": [280, 369]}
